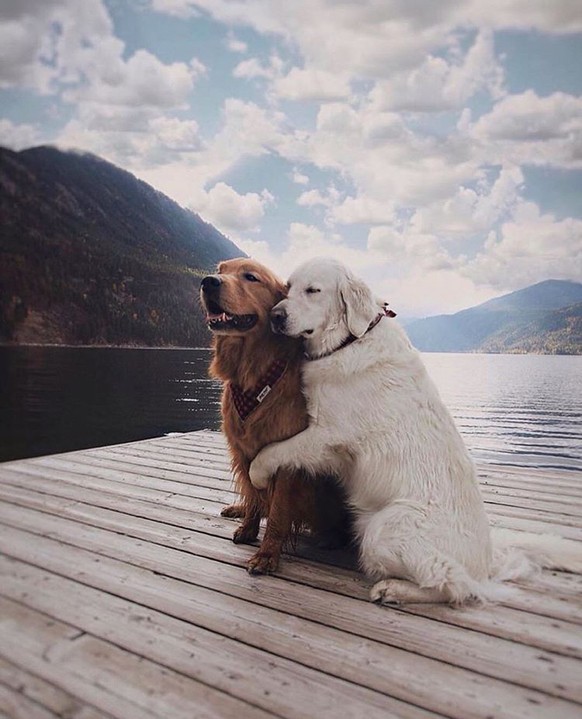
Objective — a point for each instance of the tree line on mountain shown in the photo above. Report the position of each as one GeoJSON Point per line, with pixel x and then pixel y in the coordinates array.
{"type": "Point", "coordinates": [91, 255]}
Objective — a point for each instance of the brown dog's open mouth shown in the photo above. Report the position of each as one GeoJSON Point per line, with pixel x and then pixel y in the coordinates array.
{"type": "Point", "coordinates": [219, 319]}
{"type": "Point", "coordinates": [231, 322]}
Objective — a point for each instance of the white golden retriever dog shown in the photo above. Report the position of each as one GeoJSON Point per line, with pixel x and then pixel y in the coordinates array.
{"type": "Point", "coordinates": [378, 423]}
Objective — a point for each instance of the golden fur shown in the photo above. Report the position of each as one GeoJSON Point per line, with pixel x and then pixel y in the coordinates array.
{"type": "Point", "coordinates": [243, 358]}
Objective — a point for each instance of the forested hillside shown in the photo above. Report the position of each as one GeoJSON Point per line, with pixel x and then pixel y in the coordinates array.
{"type": "Point", "coordinates": [544, 318]}
{"type": "Point", "coordinates": [91, 255]}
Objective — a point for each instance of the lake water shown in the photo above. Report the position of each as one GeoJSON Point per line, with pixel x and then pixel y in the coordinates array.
{"type": "Point", "coordinates": [511, 409]}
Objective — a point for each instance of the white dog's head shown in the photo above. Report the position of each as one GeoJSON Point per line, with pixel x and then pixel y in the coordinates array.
{"type": "Point", "coordinates": [325, 304]}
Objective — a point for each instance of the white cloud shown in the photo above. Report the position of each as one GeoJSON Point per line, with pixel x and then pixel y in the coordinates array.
{"type": "Point", "coordinates": [411, 250]}
{"type": "Point", "coordinates": [246, 131]}
{"type": "Point", "coordinates": [386, 161]}
{"type": "Point", "coordinates": [313, 198]}
{"type": "Point", "coordinates": [529, 129]}
{"type": "Point", "coordinates": [18, 136]}
{"type": "Point", "coordinates": [374, 39]}
{"type": "Point", "coordinates": [231, 211]}
{"type": "Point", "coordinates": [183, 9]}
{"type": "Point", "coordinates": [362, 210]}
{"type": "Point", "coordinates": [443, 84]}
{"type": "Point", "coordinates": [132, 137]}
{"type": "Point", "coordinates": [308, 241]}
{"type": "Point", "coordinates": [141, 81]}
{"type": "Point", "coordinates": [235, 45]}
{"type": "Point", "coordinates": [529, 248]}
{"type": "Point", "coordinates": [470, 211]}
{"type": "Point", "coordinates": [298, 177]}
{"type": "Point", "coordinates": [312, 84]}
{"type": "Point", "coordinates": [253, 68]}
{"type": "Point", "coordinates": [43, 42]}
{"type": "Point", "coordinates": [556, 16]}
{"type": "Point", "coordinates": [423, 293]}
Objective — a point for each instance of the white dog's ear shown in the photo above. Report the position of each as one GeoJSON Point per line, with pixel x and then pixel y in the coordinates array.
{"type": "Point", "coordinates": [359, 305]}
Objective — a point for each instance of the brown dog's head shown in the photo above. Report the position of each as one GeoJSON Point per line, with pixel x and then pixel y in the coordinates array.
{"type": "Point", "coordinates": [239, 297]}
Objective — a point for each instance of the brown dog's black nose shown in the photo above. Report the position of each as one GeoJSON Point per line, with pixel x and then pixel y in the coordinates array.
{"type": "Point", "coordinates": [210, 283]}
{"type": "Point", "coordinates": [278, 319]}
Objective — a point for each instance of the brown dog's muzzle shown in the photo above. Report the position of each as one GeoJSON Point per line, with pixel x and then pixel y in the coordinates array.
{"type": "Point", "coordinates": [217, 318]}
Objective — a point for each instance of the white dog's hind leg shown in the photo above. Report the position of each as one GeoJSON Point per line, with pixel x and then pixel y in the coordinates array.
{"type": "Point", "coordinates": [396, 543]}
{"type": "Point", "coordinates": [429, 577]}
{"type": "Point", "coordinates": [401, 591]}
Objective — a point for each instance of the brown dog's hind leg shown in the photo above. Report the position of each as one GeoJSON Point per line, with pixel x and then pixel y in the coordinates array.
{"type": "Point", "coordinates": [279, 524]}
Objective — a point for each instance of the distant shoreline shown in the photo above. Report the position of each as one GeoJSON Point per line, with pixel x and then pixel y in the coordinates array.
{"type": "Point", "coordinates": [100, 346]}
{"type": "Point", "coordinates": [208, 349]}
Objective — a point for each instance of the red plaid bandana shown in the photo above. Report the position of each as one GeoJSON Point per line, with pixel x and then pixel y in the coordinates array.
{"type": "Point", "coordinates": [246, 402]}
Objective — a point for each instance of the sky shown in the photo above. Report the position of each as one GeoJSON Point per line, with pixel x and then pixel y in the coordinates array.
{"type": "Point", "coordinates": [434, 147]}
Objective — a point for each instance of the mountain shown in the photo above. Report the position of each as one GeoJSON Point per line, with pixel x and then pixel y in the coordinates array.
{"type": "Point", "coordinates": [545, 318]}
{"type": "Point", "coordinates": [91, 255]}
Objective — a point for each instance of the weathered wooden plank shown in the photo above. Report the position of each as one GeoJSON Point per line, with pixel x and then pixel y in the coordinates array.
{"type": "Point", "coordinates": [554, 509]}
{"type": "Point", "coordinates": [500, 621]}
{"type": "Point", "coordinates": [43, 646]}
{"type": "Point", "coordinates": [18, 706]}
{"type": "Point", "coordinates": [446, 689]}
{"type": "Point", "coordinates": [541, 474]}
{"type": "Point", "coordinates": [193, 464]}
{"type": "Point", "coordinates": [263, 680]}
{"type": "Point", "coordinates": [123, 683]}
{"type": "Point", "coordinates": [116, 463]}
{"type": "Point", "coordinates": [190, 518]}
{"type": "Point", "coordinates": [544, 519]}
{"type": "Point", "coordinates": [569, 527]}
{"type": "Point", "coordinates": [69, 470]}
{"type": "Point", "coordinates": [494, 657]}
{"type": "Point", "coordinates": [541, 490]}
{"type": "Point", "coordinates": [322, 576]}
{"type": "Point", "coordinates": [48, 482]}
{"type": "Point", "coordinates": [531, 525]}
{"type": "Point", "coordinates": [169, 496]}
{"type": "Point", "coordinates": [31, 691]}
{"type": "Point", "coordinates": [179, 455]}
{"type": "Point", "coordinates": [77, 472]}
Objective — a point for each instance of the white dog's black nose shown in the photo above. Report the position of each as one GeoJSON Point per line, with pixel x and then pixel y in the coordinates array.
{"type": "Point", "coordinates": [210, 283]}
{"type": "Point", "coordinates": [278, 319]}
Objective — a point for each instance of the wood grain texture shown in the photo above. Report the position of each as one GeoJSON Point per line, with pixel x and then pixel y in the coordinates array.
{"type": "Point", "coordinates": [122, 595]}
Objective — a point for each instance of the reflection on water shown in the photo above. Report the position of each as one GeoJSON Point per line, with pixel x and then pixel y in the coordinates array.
{"type": "Point", "coordinates": [515, 409]}
{"type": "Point", "coordinates": [511, 409]}
{"type": "Point", "coordinates": [56, 399]}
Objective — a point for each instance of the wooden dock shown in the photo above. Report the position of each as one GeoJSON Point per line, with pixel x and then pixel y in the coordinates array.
{"type": "Point", "coordinates": [122, 595]}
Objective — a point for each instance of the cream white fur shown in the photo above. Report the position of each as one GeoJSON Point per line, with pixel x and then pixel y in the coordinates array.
{"type": "Point", "coordinates": [377, 421]}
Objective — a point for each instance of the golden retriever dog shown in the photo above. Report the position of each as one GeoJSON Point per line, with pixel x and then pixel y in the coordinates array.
{"type": "Point", "coordinates": [262, 403]}
{"type": "Point", "coordinates": [379, 424]}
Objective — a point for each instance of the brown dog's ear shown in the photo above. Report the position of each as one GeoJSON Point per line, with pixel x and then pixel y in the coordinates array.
{"type": "Point", "coordinates": [359, 305]}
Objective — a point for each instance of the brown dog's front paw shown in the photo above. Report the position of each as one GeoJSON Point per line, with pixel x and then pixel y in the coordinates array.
{"type": "Point", "coordinates": [233, 511]}
{"type": "Point", "coordinates": [263, 563]}
{"type": "Point", "coordinates": [244, 535]}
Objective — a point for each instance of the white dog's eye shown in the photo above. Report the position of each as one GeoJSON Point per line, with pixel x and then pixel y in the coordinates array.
{"type": "Point", "coordinates": [250, 277]}
{"type": "Point", "coordinates": [312, 290]}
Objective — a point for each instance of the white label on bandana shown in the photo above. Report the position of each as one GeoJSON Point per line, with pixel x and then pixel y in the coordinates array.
{"type": "Point", "coordinates": [263, 393]}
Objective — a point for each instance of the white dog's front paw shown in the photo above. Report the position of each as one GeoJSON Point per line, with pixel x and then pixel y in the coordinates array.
{"type": "Point", "coordinates": [259, 472]}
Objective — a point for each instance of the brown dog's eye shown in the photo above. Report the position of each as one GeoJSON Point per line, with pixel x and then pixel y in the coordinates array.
{"type": "Point", "coordinates": [250, 277]}
{"type": "Point", "coordinates": [312, 290]}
